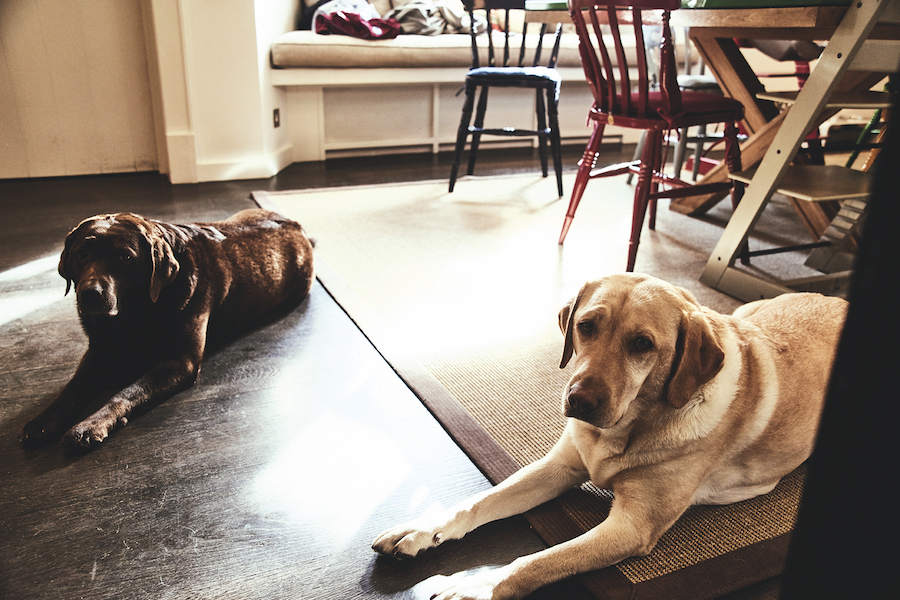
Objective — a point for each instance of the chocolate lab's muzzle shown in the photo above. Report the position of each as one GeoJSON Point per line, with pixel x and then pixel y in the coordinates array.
{"type": "Point", "coordinates": [97, 296]}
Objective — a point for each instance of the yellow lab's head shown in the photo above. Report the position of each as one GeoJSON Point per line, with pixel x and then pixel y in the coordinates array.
{"type": "Point", "coordinates": [634, 336]}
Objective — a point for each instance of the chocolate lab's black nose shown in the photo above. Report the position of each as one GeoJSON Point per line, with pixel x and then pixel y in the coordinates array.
{"type": "Point", "coordinates": [90, 297]}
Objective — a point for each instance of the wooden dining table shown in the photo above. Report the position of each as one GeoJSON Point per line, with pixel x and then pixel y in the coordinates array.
{"type": "Point", "coordinates": [714, 33]}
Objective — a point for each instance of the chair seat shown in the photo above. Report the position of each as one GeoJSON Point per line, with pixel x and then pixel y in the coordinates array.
{"type": "Point", "coordinates": [697, 108]}
{"type": "Point", "coordinates": [514, 76]}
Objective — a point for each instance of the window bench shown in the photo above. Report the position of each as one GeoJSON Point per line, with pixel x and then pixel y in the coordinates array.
{"type": "Point", "coordinates": [346, 96]}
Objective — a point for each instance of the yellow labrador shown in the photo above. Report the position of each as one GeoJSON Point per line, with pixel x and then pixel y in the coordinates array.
{"type": "Point", "coordinates": [670, 404]}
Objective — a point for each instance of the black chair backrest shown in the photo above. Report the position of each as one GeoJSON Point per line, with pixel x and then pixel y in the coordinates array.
{"type": "Point", "coordinates": [506, 6]}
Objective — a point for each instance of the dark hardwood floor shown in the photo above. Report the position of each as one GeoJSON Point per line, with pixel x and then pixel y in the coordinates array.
{"type": "Point", "coordinates": [49, 207]}
{"type": "Point", "coordinates": [270, 477]}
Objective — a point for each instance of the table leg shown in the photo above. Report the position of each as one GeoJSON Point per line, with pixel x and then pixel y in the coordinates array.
{"type": "Point", "coordinates": [737, 80]}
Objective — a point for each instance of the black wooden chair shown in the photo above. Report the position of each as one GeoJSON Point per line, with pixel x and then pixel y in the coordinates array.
{"type": "Point", "coordinates": [545, 80]}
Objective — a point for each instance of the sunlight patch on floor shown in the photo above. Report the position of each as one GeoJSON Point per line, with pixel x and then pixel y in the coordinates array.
{"type": "Point", "coordinates": [19, 304]}
{"type": "Point", "coordinates": [30, 269]}
{"type": "Point", "coordinates": [332, 474]}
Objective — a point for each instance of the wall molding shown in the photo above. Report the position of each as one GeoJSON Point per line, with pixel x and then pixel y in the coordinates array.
{"type": "Point", "coordinates": [182, 157]}
{"type": "Point", "coordinates": [251, 167]}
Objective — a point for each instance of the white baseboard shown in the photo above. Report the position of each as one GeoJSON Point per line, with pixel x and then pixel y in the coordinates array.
{"type": "Point", "coordinates": [251, 167]}
{"type": "Point", "coordinates": [182, 157]}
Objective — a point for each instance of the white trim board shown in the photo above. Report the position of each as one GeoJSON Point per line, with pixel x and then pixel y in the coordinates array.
{"type": "Point", "coordinates": [252, 167]}
{"type": "Point", "coordinates": [323, 77]}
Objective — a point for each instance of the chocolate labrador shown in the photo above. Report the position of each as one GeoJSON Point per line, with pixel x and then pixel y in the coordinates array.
{"type": "Point", "coordinates": [148, 295]}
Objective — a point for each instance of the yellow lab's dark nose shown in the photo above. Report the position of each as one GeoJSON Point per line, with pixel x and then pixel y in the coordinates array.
{"type": "Point", "coordinates": [585, 397]}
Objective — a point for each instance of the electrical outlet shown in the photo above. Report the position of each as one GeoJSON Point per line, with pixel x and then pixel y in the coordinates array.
{"type": "Point", "coordinates": [276, 118]}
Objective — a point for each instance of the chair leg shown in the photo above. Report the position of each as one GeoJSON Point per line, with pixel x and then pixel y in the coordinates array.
{"type": "Point", "coordinates": [542, 126]}
{"type": "Point", "coordinates": [698, 152]}
{"type": "Point", "coordinates": [555, 143]}
{"type": "Point", "coordinates": [641, 192]}
{"type": "Point", "coordinates": [479, 123]}
{"type": "Point", "coordinates": [678, 156]}
{"type": "Point", "coordinates": [654, 186]}
{"type": "Point", "coordinates": [463, 132]}
{"type": "Point", "coordinates": [637, 154]}
{"type": "Point", "coordinates": [733, 162]}
{"type": "Point", "coordinates": [584, 174]}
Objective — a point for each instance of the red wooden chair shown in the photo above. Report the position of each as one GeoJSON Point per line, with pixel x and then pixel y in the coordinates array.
{"type": "Point", "coordinates": [624, 105]}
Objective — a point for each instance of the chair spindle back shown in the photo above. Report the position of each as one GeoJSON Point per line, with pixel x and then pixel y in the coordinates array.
{"type": "Point", "coordinates": [615, 97]}
{"type": "Point", "coordinates": [507, 6]}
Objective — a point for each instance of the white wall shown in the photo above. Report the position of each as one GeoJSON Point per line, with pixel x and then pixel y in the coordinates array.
{"type": "Point", "coordinates": [171, 109]}
{"type": "Point", "coordinates": [273, 17]}
{"type": "Point", "coordinates": [74, 88]}
{"type": "Point", "coordinates": [212, 88]}
{"type": "Point", "coordinates": [102, 86]}
{"type": "Point", "coordinates": [220, 61]}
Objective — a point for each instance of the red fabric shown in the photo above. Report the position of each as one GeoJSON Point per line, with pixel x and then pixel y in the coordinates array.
{"type": "Point", "coordinates": [352, 24]}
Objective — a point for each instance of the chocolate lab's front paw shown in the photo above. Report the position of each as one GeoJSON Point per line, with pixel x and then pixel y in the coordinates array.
{"type": "Point", "coordinates": [88, 434]}
{"type": "Point", "coordinates": [41, 431]}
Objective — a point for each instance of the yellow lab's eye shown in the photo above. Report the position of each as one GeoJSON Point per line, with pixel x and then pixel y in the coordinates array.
{"type": "Point", "coordinates": [587, 328]}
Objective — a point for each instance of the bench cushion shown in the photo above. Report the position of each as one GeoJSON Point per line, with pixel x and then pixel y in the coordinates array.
{"type": "Point", "coordinates": [306, 49]}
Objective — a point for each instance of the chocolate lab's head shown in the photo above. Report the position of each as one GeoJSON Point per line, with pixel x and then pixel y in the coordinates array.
{"type": "Point", "coordinates": [634, 337]}
{"type": "Point", "coordinates": [114, 260]}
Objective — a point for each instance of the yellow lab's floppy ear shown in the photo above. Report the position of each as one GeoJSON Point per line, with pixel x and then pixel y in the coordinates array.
{"type": "Point", "coordinates": [698, 357]}
{"type": "Point", "coordinates": [566, 318]}
{"type": "Point", "coordinates": [164, 267]}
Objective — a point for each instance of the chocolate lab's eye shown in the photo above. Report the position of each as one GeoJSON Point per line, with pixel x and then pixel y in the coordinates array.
{"type": "Point", "coordinates": [587, 328]}
{"type": "Point", "coordinates": [126, 257]}
{"type": "Point", "coordinates": [641, 344]}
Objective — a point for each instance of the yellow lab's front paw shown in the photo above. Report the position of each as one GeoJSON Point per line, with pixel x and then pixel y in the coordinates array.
{"type": "Point", "coordinates": [406, 541]}
{"type": "Point", "coordinates": [480, 584]}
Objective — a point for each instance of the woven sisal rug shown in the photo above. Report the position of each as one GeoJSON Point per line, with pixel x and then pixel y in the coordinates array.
{"type": "Point", "coordinates": [459, 292]}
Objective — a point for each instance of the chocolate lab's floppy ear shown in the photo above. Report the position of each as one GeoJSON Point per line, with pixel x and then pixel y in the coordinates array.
{"type": "Point", "coordinates": [566, 318]}
{"type": "Point", "coordinates": [698, 357]}
{"type": "Point", "coordinates": [64, 269]}
{"type": "Point", "coordinates": [163, 265]}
